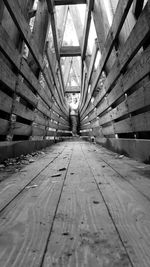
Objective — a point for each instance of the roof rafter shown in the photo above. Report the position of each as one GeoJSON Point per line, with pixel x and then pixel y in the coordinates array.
{"type": "Point", "coordinates": [70, 51]}
{"type": "Point", "coordinates": [51, 9]}
{"type": "Point", "coordinates": [87, 27]}
{"type": "Point", "coordinates": [69, 2]}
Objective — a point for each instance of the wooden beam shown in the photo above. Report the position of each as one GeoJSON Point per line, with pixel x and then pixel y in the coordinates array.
{"type": "Point", "coordinates": [101, 22]}
{"type": "Point", "coordinates": [79, 30]}
{"type": "Point", "coordinates": [69, 2]}
{"type": "Point", "coordinates": [70, 51]}
{"type": "Point", "coordinates": [119, 18]}
{"type": "Point", "coordinates": [62, 13]}
{"type": "Point", "coordinates": [77, 69]}
{"type": "Point", "coordinates": [89, 74]}
{"type": "Point", "coordinates": [41, 26]}
{"type": "Point", "coordinates": [24, 29]}
{"type": "Point", "coordinates": [51, 10]}
{"type": "Point", "coordinates": [87, 27]}
{"type": "Point", "coordinates": [137, 7]}
{"type": "Point", "coordinates": [7, 47]}
{"type": "Point", "coordinates": [67, 67]}
{"type": "Point", "coordinates": [137, 72]}
{"type": "Point", "coordinates": [72, 89]}
{"type": "Point", "coordinates": [53, 73]}
{"type": "Point", "coordinates": [1, 10]}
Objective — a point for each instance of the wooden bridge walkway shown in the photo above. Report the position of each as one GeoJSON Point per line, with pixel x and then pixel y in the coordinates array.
{"type": "Point", "coordinates": [78, 205]}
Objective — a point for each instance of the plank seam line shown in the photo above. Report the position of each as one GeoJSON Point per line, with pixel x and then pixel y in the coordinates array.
{"type": "Point", "coordinates": [109, 212]}
{"type": "Point", "coordinates": [31, 181]}
{"type": "Point", "coordinates": [124, 178]}
{"type": "Point", "coordinates": [55, 213]}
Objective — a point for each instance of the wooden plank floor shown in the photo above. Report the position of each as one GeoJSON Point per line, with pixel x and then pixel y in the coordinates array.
{"type": "Point", "coordinates": [79, 205]}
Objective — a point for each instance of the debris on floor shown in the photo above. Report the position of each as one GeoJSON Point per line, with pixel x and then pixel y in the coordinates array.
{"type": "Point", "coordinates": [62, 169]}
{"type": "Point", "coordinates": [14, 165]}
{"type": "Point", "coordinates": [31, 186]}
{"type": "Point", "coordinates": [56, 174]}
{"type": "Point", "coordinates": [119, 156]}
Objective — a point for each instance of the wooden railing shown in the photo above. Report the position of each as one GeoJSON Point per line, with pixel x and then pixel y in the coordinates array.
{"type": "Point", "coordinates": [28, 108]}
{"type": "Point", "coordinates": [122, 106]}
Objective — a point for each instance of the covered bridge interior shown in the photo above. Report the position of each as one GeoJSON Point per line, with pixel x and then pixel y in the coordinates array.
{"type": "Point", "coordinates": [75, 82]}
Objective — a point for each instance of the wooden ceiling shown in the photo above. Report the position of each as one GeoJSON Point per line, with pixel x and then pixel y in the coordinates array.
{"type": "Point", "coordinates": [82, 32]}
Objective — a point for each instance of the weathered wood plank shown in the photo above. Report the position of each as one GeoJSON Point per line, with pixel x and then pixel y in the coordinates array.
{"type": "Point", "coordinates": [21, 129]}
{"type": "Point", "coordinates": [138, 71]}
{"type": "Point", "coordinates": [72, 89]}
{"type": "Point", "coordinates": [64, 134]}
{"type": "Point", "coordinates": [125, 204]}
{"type": "Point", "coordinates": [120, 110]}
{"type": "Point", "coordinates": [33, 217]}
{"type": "Point", "coordinates": [86, 133]}
{"type": "Point", "coordinates": [108, 130]}
{"type": "Point", "coordinates": [25, 92]}
{"type": "Point", "coordinates": [7, 47]}
{"type": "Point", "coordinates": [124, 126]}
{"type": "Point", "coordinates": [119, 18]}
{"type": "Point", "coordinates": [86, 126]}
{"type": "Point", "coordinates": [4, 125]}
{"type": "Point", "coordinates": [137, 7]}
{"type": "Point", "coordinates": [105, 118]}
{"type": "Point", "coordinates": [134, 172]}
{"type": "Point", "coordinates": [88, 75]}
{"type": "Point", "coordinates": [137, 37]}
{"type": "Point", "coordinates": [7, 76]}
{"type": "Point", "coordinates": [86, 27]}
{"type": "Point", "coordinates": [139, 99]}
{"type": "Point", "coordinates": [116, 92]}
{"type": "Point", "coordinates": [83, 232]}
{"type": "Point", "coordinates": [38, 131]}
{"type": "Point", "coordinates": [23, 27]}
{"type": "Point", "coordinates": [63, 127]}
{"type": "Point", "coordinates": [43, 108]}
{"type": "Point", "coordinates": [69, 2]}
{"type": "Point", "coordinates": [70, 51]}
{"type": "Point", "coordinates": [22, 111]}
{"type": "Point", "coordinates": [39, 118]}
{"type": "Point", "coordinates": [141, 122]}
{"type": "Point", "coordinates": [13, 55]}
{"type": "Point", "coordinates": [51, 133]}
{"type": "Point", "coordinates": [5, 102]}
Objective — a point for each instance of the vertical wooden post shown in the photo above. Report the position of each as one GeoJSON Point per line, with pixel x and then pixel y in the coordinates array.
{"type": "Point", "coordinates": [39, 35]}
{"type": "Point", "coordinates": [20, 45]}
{"type": "Point", "coordinates": [102, 28]}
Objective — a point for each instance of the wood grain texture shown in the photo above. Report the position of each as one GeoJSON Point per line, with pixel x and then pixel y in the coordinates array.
{"type": "Point", "coordinates": [139, 70]}
{"type": "Point", "coordinates": [4, 126]}
{"type": "Point", "coordinates": [79, 205]}
{"type": "Point", "coordinates": [128, 207]}
{"type": "Point", "coordinates": [24, 231]}
{"type": "Point", "coordinates": [83, 233]}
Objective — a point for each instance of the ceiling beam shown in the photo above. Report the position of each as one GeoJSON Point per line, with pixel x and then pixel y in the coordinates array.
{"type": "Point", "coordinates": [69, 2]}
{"type": "Point", "coordinates": [70, 51]}
{"type": "Point", "coordinates": [67, 68]}
{"type": "Point", "coordinates": [51, 9]}
{"type": "Point", "coordinates": [87, 27]}
{"type": "Point", "coordinates": [62, 13]}
{"type": "Point", "coordinates": [79, 30]}
{"type": "Point", "coordinates": [137, 7]}
{"type": "Point", "coordinates": [53, 25]}
{"type": "Point", "coordinates": [72, 89]}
